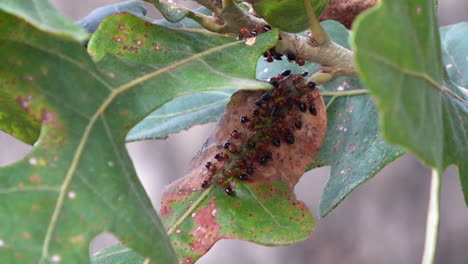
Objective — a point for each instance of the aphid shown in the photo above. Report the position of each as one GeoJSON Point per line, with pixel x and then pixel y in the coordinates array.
{"type": "Point", "coordinates": [219, 157]}
{"type": "Point", "coordinates": [255, 112]}
{"type": "Point", "coordinates": [276, 141]}
{"type": "Point", "coordinates": [226, 145]}
{"type": "Point", "coordinates": [275, 111]}
{"type": "Point", "coordinates": [229, 191]}
{"type": "Point", "coordinates": [212, 168]}
{"type": "Point", "coordinates": [300, 62]}
{"type": "Point", "coordinates": [234, 134]}
{"type": "Point", "coordinates": [254, 32]}
{"type": "Point", "coordinates": [225, 156]}
{"type": "Point", "coordinates": [251, 144]}
{"type": "Point", "coordinates": [289, 139]}
{"type": "Point", "coordinates": [259, 28]}
{"type": "Point", "coordinates": [302, 107]}
{"type": "Point", "coordinates": [291, 56]}
{"type": "Point", "coordinates": [286, 73]}
{"type": "Point", "coordinates": [245, 32]}
{"type": "Point", "coordinates": [243, 177]}
{"type": "Point", "coordinates": [278, 56]}
{"type": "Point", "coordinates": [249, 170]}
{"type": "Point", "coordinates": [259, 102]}
{"type": "Point", "coordinates": [244, 119]}
{"type": "Point", "coordinates": [269, 155]}
{"type": "Point", "coordinates": [232, 149]}
{"type": "Point", "coordinates": [298, 124]}
{"type": "Point", "coordinates": [208, 164]}
{"type": "Point", "coordinates": [311, 85]}
{"type": "Point", "coordinates": [274, 83]}
{"type": "Point", "coordinates": [304, 74]}
{"type": "Point", "coordinates": [263, 160]}
{"type": "Point", "coordinates": [266, 96]}
{"type": "Point", "coordinates": [265, 54]}
{"type": "Point", "coordinates": [267, 27]}
{"type": "Point", "coordinates": [229, 172]}
{"type": "Point", "coordinates": [269, 59]}
{"type": "Point", "coordinates": [204, 184]}
{"type": "Point", "coordinates": [313, 110]}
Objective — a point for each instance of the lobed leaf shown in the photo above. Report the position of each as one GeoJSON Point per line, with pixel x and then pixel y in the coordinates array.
{"type": "Point", "coordinates": [398, 55]}
{"type": "Point", "coordinates": [78, 180]}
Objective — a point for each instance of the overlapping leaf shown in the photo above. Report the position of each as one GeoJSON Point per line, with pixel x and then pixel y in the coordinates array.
{"type": "Point", "coordinates": [288, 15]}
{"type": "Point", "coordinates": [353, 146]}
{"type": "Point", "coordinates": [419, 108]}
{"type": "Point", "coordinates": [44, 16]}
{"type": "Point", "coordinates": [455, 53]}
{"type": "Point", "coordinates": [78, 180]}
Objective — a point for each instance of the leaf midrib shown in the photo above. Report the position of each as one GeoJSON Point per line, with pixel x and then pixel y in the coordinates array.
{"type": "Point", "coordinates": [106, 103]}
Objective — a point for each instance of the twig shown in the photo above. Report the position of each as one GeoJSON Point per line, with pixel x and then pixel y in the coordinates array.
{"type": "Point", "coordinates": [432, 225]}
{"type": "Point", "coordinates": [318, 48]}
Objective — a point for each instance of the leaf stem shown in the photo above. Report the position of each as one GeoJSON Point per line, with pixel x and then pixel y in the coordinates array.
{"type": "Point", "coordinates": [346, 93]}
{"type": "Point", "coordinates": [432, 224]}
{"type": "Point", "coordinates": [318, 33]}
{"type": "Point", "coordinates": [190, 210]}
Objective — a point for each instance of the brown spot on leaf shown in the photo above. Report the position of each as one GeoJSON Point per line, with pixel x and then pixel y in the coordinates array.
{"type": "Point", "coordinates": [35, 179]}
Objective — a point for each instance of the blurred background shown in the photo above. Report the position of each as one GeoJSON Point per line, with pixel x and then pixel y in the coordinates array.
{"type": "Point", "coordinates": [383, 221]}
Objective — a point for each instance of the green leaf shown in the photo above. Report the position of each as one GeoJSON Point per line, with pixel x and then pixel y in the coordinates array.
{"type": "Point", "coordinates": [398, 56]}
{"type": "Point", "coordinates": [455, 52]}
{"type": "Point", "coordinates": [15, 121]}
{"type": "Point", "coordinates": [288, 15]}
{"type": "Point", "coordinates": [180, 114]}
{"type": "Point", "coordinates": [91, 22]}
{"type": "Point", "coordinates": [78, 179]}
{"type": "Point", "coordinates": [41, 14]}
{"type": "Point", "coordinates": [170, 11]}
{"type": "Point", "coordinates": [352, 147]}
{"type": "Point", "coordinates": [117, 254]}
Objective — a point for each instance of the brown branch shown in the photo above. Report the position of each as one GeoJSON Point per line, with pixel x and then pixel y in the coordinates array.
{"type": "Point", "coordinates": [335, 59]}
{"type": "Point", "coordinates": [345, 11]}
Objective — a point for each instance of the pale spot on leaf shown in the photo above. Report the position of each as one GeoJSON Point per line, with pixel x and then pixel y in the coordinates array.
{"type": "Point", "coordinates": [418, 10]}
{"type": "Point", "coordinates": [33, 161]}
{"type": "Point", "coordinates": [2, 243]}
{"type": "Point", "coordinates": [56, 258]}
{"type": "Point", "coordinates": [250, 41]}
{"type": "Point", "coordinates": [71, 194]}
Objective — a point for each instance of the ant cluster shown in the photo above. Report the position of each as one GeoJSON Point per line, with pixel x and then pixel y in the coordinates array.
{"type": "Point", "coordinates": [269, 125]}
